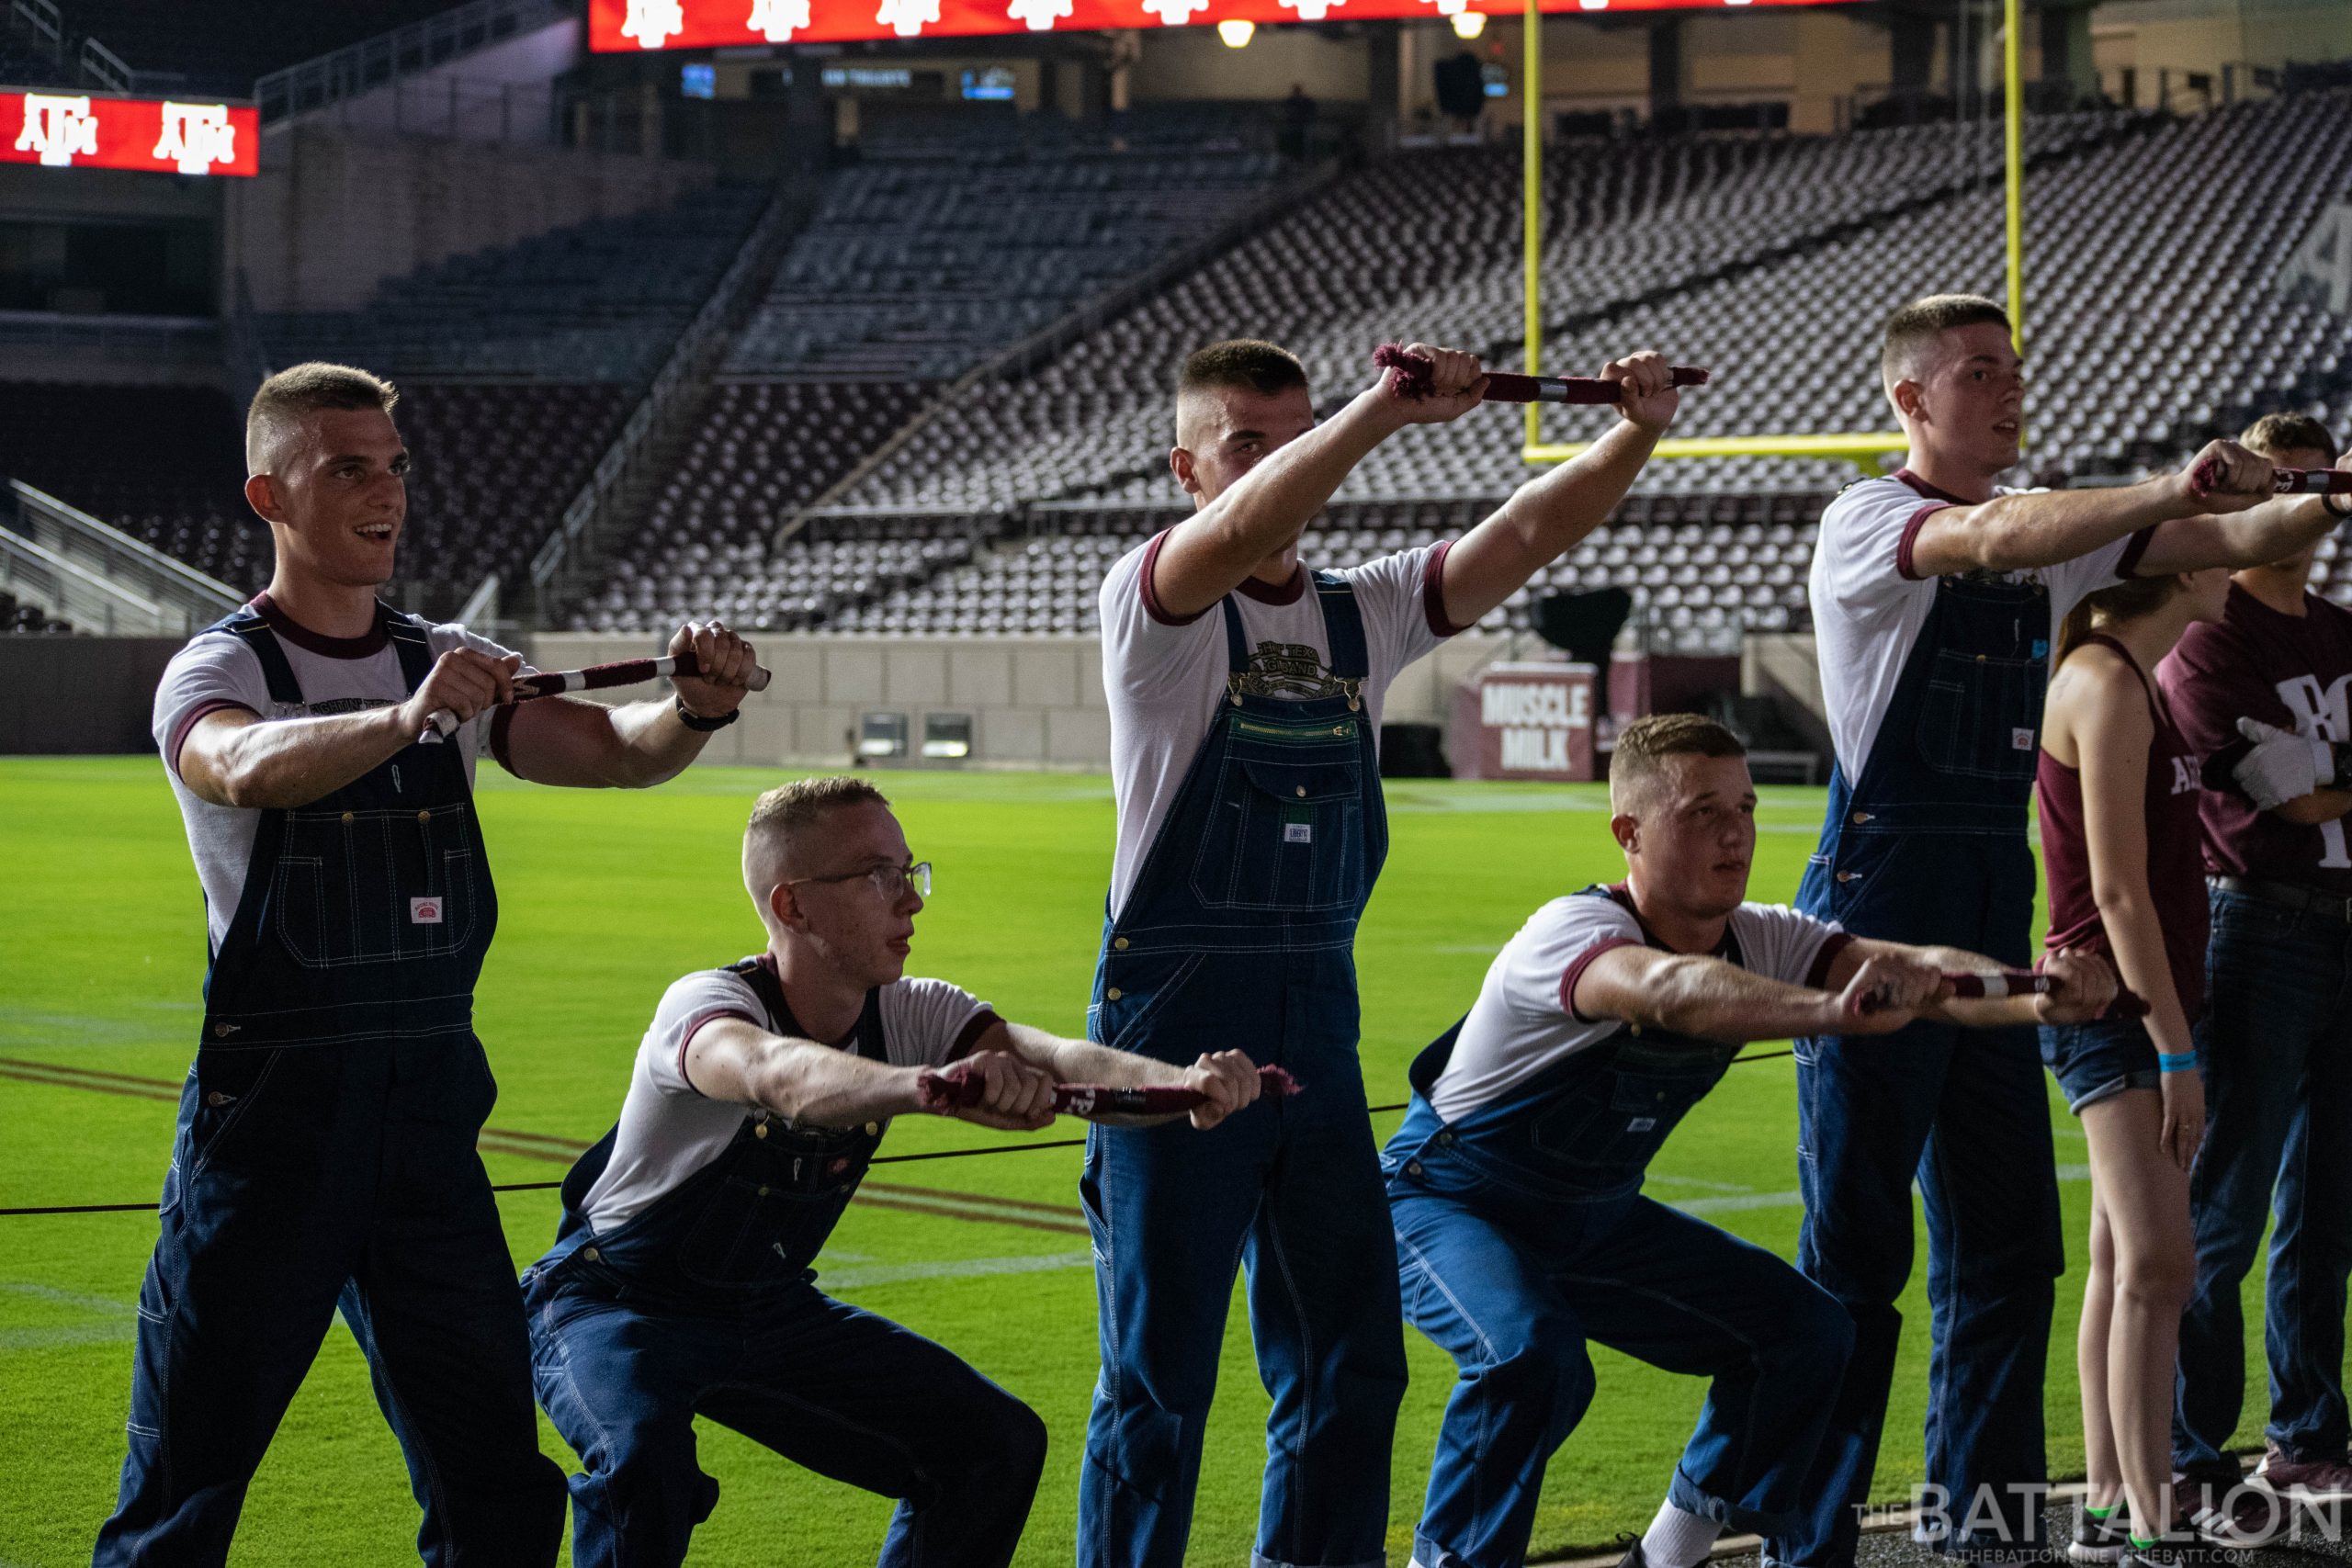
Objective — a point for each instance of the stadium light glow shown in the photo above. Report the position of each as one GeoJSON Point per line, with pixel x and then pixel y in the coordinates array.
{"type": "Point", "coordinates": [1468, 24]}
{"type": "Point", "coordinates": [1236, 31]}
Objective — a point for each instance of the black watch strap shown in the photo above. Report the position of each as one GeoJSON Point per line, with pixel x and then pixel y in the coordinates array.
{"type": "Point", "coordinates": [695, 721]}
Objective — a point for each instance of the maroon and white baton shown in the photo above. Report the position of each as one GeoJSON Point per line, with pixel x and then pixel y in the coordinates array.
{"type": "Point", "coordinates": [2284, 481]}
{"type": "Point", "coordinates": [1413, 371]}
{"type": "Point", "coordinates": [2025, 983]}
{"type": "Point", "coordinates": [955, 1089]}
{"type": "Point", "coordinates": [597, 677]}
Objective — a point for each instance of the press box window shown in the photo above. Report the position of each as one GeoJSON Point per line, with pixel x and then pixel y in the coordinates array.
{"type": "Point", "coordinates": [947, 735]}
{"type": "Point", "coordinates": [882, 735]}
{"type": "Point", "coordinates": [990, 84]}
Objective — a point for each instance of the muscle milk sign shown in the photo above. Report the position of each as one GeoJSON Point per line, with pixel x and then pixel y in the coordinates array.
{"type": "Point", "coordinates": [1527, 721]}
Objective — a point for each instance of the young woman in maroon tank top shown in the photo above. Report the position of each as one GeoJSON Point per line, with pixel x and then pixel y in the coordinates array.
{"type": "Point", "coordinates": [2117, 793]}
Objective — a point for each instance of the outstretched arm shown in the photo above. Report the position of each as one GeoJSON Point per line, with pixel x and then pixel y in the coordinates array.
{"type": "Point", "coordinates": [821, 1086]}
{"type": "Point", "coordinates": [585, 745]}
{"type": "Point", "coordinates": [1547, 517]}
{"type": "Point", "coordinates": [2086, 984]}
{"type": "Point", "coordinates": [1711, 1000]}
{"type": "Point", "coordinates": [2017, 533]}
{"type": "Point", "coordinates": [1211, 553]}
{"type": "Point", "coordinates": [2278, 528]}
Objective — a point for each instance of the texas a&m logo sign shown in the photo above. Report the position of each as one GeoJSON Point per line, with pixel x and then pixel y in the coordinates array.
{"type": "Point", "coordinates": [631, 26]}
{"type": "Point", "coordinates": [94, 130]}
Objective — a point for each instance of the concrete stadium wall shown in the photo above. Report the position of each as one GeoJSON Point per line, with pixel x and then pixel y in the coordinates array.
{"type": "Point", "coordinates": [332, 215]}
{"type": "Point", "coordinates": [1035, 702]}
{"type": "Point", "coordinates": [79, 694]}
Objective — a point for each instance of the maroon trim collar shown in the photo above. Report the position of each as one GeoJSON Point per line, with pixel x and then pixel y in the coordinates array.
{"type": "Point", "coordinates": [1286, 593]}
{"type": "Point", "coordinates": [308, 641]}
{"type": "Point", "coordinates": [1622, 895]}
{"type": "Point", "coordinates": [1931, 492]}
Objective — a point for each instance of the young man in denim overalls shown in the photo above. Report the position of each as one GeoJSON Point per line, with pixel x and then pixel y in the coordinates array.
{"type": "Point", "coordinates": [1244, 699]}
{"type": "Point", "coordinates": [680, 1284]}
{"type": "Point", "coordinates": [1935, 596]}
{"type": "Point", "coordinates": [325, 1150]}
{"type": "Point", "coordinates": [1522, 1235]}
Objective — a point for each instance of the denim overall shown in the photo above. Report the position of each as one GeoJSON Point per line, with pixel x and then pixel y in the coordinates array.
{"type": "Point", "coordinates": [701, 1304]}
{"type": "Point", "coordinates": [325, 1151]}
{"type": "Point", "coordinates": [1929, 847]}
{"type": "Point", "coordinates": [1240, 934]}
{"type": "Point", "coordinates": [1522, 1235]}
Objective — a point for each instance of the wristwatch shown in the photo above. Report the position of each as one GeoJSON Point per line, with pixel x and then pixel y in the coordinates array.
{"type": "Point", "coordinates": [695, 721]}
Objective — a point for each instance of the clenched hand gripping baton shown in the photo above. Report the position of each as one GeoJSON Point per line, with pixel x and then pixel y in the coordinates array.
{"type": "Point", "coordinates": [2025, 983]}
{"type": "Point", "coordinates": [1507, 387]}
{"type": "Point", "coordinates": [597, 677]}
{"type": "Point", "coordinates": [2285, 482]}
{"type": "Point", "coordinates": [951, 1089]}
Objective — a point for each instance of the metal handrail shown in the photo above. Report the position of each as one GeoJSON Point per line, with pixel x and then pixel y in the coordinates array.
{"type": "Point", "coordinates": [420, 46]}
{"type": "Point", "coordinates": [74, 595]}
{"type": "Point", "coordinates": [41, 16]}
{"type": "Point", "coordinates": [690, 362]}
{"type": "Point", "coordinates": [178, 597]}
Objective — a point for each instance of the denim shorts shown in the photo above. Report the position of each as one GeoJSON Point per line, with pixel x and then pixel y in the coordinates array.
{"type": "Point", "coordinates": [2099, 1059]}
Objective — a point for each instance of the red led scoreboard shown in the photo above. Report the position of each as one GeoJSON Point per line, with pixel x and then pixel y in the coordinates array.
{"type": "Point", "coordinates": [629, 26]}
{"type": "Point", "coordinates": [97, 130]}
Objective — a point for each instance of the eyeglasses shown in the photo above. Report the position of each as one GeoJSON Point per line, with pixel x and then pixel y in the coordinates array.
{"type": "Point", "coordinates": [891, 881]}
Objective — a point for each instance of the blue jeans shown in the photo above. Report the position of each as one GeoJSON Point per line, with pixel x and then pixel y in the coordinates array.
{"type": "Point", "coordinates": [2276, 1047]}
{"type": "Point", "coordinates": [1515, 1306]}
{"type": "Point", "coordinates": [834, 1389]}
{"type": "Point", "coordinates": [1965, 1113]}
{"type": "Point", "coordinates": [2099, 1058]}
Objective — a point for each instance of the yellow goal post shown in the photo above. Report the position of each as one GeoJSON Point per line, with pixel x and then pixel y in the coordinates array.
{"type": "Point", "coordinates": [1868, 450]}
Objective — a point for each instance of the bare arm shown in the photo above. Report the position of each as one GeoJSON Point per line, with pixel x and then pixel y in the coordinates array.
{"type": "Point", "coordinates": [585, 745]}
{"type": "Point", "coordinates": [2273, 531]}
{"type": "Point", "coordinates": [1549, 517]}
{"type": "Point", "coordinates": [1711, 1000]}
{"type": "Point", "coordinates": [232, 757]}
{"type": "Point", "coordinates": [2107, 714]}
{"type": "Point", "coordinates": [2310, 810]}
{"type": "Point", "coordinates": [820, 1086]}
{"type": "Point", "coordinates": [1211, 552]}
{"type": "Point", "coordinates": [2017, 533]}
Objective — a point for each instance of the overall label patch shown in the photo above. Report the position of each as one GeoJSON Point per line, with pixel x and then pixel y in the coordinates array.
{"type": "Point", "coordinates": [424, 911]}
{"type": "Point", "coordinates": [2020, 739]}
{"type": "Point", "coordinates": [1298, 832]}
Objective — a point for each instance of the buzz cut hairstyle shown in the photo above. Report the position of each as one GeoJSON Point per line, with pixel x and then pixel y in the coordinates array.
{"type": "Point", "coordinates": [1645, 743]}
{"type": "Point", "coordinates": [1241, 363]}
{"type": "Point", "coordinates": [299, 390]}
{"type": "Point", "coordinates": [1920, 323]}
{"type": "Point", "coordinates": [788, 811]}
{"type": "Point", "coordinates": [2277, 433]}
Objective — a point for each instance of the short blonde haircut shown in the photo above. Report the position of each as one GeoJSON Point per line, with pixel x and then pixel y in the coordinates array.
{"type": "Point", "coordinates": [785, 815]}
{"type": "Point", "coordinates": [2277, 433]}
{"type": "Point", "coordinates": [276, 414]}
{"type": "Point", "coordinates": [1911, 328]}
{"type": "Point", "coordinates": [1643, 745]}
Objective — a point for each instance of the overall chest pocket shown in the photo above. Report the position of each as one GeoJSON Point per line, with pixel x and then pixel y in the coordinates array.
{"type": "Point", "coordinates": [378, 887]}
{"type": "Point", "coordinates": [757, 1233]}
{"type": "Point", "coordinates": [1287, 832]}
{"type": "Point", "coordinates": [1616, 1121]}
{"type": "Point", "coordinates": [1980, 716]}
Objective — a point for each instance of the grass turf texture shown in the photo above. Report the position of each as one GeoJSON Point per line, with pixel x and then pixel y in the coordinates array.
{"type": "Point", "coordinates": [605, 898]}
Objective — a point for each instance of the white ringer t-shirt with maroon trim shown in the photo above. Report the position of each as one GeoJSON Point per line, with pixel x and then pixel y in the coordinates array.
{"type": "Point", "coordinates": [1164, 676]}
{"type": "Point", "coordinates": [669, 1131]}
{"type": "Point", "coordinates": [338, 675]}
{"type": "Point", "coordinates": [1868, 605]}
{"type": "Point", "coordinates": [1525, 1019]}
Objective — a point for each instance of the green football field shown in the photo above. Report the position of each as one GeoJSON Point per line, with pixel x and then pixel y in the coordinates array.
{"type": "Point", "coordinates": [605, 898]}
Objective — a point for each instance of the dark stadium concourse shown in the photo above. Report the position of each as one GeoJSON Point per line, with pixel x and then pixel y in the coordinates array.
{"type": "Point", "coordinates": [870, 332]}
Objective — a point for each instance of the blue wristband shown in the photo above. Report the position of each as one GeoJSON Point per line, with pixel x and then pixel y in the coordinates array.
{"type": "Point", "coordinates": [2176, 1063]}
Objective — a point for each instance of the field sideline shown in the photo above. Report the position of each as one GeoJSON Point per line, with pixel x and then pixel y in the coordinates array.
{"type": "Point", "coordinates": [604, 899]}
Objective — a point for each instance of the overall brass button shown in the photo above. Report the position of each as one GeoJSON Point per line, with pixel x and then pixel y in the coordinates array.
{"type": "Point", "coordinates": [759, 1130]}
{"type": "Point", "coordinates": [1302, 789]}
{"type": "Point", "coordinates": [874, 1129]}
{"type": "Point", "coordinates": [351, 815]}
{"type": "Point", "coordinates": [590, 1253]}
{"type": "Point", "coordinates": [1120, 943]}
{"type": "Point", "coordinates": [1112, 993]}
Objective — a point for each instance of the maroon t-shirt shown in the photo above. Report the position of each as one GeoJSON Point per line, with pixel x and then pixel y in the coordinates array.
{"type": "Point", "coordinates": [2290, 670]}
{"type": "Point", "coordinates": [2175, 878]}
